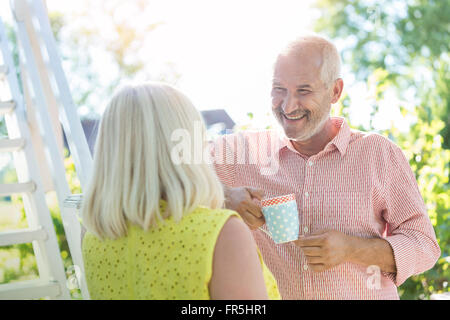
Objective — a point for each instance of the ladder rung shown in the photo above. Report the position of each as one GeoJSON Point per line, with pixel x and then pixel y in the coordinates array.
{"type": "Point", "coordinates": [21, 236]}
{"type": "Point", "coordinates": [9, 145]}
{"type": "Point", "coordinates": [6, 106]}
{"type": "Point", "coordinates": [73, 201]}
{"type": "Point", "coordinates": [12, 188]}
{"type": "Point", "coordinates": [31, 289]}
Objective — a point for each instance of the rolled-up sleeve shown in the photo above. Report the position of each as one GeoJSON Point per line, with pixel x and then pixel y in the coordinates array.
{"type": "Point", "coordinates": [410, 232]}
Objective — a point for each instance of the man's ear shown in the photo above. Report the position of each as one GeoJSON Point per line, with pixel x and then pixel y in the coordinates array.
{"type": "Point", "coordinates": [338, 86]}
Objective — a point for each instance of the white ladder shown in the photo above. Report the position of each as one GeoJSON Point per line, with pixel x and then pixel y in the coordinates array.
{"type": "Point", "coordinates": [52, 278]}
{"type": "Point", "coordinates": [35, 36]}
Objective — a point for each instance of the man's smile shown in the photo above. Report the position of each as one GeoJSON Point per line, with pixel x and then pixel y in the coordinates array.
{"type": "Point", "coordinates": [299, 117]}
{"type": "Point", "coordinates": [293, 117]}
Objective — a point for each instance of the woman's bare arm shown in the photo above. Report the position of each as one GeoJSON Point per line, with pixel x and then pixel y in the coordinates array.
{"type": "Point", "coordinates": [237, 272]}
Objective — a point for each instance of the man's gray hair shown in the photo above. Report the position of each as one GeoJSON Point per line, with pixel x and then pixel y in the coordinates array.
{"type": "Point", "coordinates": [331, 61]}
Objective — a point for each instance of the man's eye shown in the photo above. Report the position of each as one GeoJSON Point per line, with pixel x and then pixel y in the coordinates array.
{"type": "Point", "coordinates": [278, 88]}
{"type": "Point", "coordinates": [303, 91]}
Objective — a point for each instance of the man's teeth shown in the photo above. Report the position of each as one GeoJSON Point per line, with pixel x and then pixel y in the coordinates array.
{"type": "Point", "coordinates": [294, 118]}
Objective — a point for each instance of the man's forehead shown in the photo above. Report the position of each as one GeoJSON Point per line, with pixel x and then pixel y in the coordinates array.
{"type": "Point", "coordinates": [310, 56]}
{"type": "Point", "coordinates": [294, 69]}
{"type": "Point", "coordinates": [304, 51]}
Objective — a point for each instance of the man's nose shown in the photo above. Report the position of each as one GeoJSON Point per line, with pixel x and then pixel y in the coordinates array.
{"type": "Point", "coordinates": [289, 104]}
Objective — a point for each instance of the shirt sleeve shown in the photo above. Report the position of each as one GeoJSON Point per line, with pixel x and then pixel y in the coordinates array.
{"type": "Point", "coordinates": [410, 232]}
{"type": "Point", "coordinates": [224, 159]}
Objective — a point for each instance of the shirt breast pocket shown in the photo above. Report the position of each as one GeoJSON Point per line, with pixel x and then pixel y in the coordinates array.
{"type": "Point", "coordinates": [346, 211]}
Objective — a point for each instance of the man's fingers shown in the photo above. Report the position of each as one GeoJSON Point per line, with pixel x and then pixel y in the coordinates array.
{"type": "Point", "coordinates": [312, 251]}
{"type": "Point", "coordinates": [323, 231]}
{"type": "Point", "coordinates": [314, 260]}
{"type": "Point", "coordinates": [310, 241]}
{"type": "Point", "coordinates": [317, 267]}
{"type": "Point", "coordinates": [253, 209]}
{"type": "Point", "coordinates": [256, 193]}
{"type": "Point", "coordinates": [252, 221]}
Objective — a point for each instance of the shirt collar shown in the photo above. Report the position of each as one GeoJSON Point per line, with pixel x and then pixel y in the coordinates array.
{"type": "Point", "coordinates": [340, 141]}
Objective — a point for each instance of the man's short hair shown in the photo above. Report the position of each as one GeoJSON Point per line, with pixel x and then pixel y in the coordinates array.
{"type": "Point", "coordinates": [331, 61]}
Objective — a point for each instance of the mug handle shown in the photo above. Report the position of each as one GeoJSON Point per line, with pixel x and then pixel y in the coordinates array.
{"type": "Point", "coordinates": [266, 232]}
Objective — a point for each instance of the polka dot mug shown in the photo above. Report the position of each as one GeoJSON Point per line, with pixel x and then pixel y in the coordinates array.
{"type": "Point", "coordinates": [281, 216]}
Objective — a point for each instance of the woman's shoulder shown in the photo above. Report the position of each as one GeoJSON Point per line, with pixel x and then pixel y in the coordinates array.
{"type": "Point", "coordinates": [208, 215]}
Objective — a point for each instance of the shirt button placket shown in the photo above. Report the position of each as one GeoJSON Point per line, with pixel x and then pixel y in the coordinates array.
{"type": "Point", "coordinates": [309, 178]}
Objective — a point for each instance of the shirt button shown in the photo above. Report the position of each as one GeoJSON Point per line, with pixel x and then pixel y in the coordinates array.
{"type": "Point", "coordinates": [306, 194]}
{"type": "Point", "coordinates": [305, 229]}
{"type": "Point", "coordinates": [310, 163]}
{"type": "Point", "coordinates": [305, 267]}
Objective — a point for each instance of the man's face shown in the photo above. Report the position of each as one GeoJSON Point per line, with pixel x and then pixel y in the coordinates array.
{"type": "Point", "coordinates": [300, 100]}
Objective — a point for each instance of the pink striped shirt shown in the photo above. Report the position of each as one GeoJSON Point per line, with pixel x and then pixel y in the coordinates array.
{"type": "Point", "coordinates": [360, 184]}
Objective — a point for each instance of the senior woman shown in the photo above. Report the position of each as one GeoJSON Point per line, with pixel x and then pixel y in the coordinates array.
{"type": "Point", "coordinates": [155, 227]}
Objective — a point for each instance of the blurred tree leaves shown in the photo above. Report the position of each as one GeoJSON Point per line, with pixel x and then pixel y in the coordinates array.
{"type": "Point", "coordinates": [403, 46]}
{"type": "Point", "coordinates": [103, 45]}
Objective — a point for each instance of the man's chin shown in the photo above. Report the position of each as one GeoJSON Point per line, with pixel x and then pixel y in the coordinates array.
{"type": "Point", "coordinates": [296, 136]}
{"type": "Point", "coordinates": [299, 135]}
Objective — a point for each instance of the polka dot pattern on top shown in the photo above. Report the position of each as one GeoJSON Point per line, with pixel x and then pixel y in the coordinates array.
{"type": "Point", "coordinates": [171, 261]}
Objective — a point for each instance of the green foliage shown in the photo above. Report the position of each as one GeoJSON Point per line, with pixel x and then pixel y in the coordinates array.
{"type": "Point", "coordinates": [403, 46]}
{"type": "Point", "coordinates": [409, 40]}
{"type": "Point", "coordinates": [430, 162]}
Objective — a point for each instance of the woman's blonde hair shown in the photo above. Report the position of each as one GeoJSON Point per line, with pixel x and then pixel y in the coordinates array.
{"type": "Point", "coordinates": [133, 168]}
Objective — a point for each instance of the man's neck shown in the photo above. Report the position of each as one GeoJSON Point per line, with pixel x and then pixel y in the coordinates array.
{"type": "Point", "coordinates": [316, 143]}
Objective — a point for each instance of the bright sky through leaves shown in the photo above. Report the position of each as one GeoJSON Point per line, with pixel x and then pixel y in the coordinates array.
{"type": "Point", "coordinates": [223, 51]}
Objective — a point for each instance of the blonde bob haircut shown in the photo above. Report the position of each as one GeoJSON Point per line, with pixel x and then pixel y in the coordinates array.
{"type": "Point", "coordinates": [133, 169]}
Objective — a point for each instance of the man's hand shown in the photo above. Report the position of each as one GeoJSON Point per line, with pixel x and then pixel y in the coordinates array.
{"type": "Point", "coordinates": [325, 249]}
{"type": "Point", "coordinates": [241, 200]}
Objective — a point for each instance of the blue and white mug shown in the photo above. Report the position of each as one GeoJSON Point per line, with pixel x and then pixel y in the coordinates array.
{"type": "Point", "coordinates": [281, 216]}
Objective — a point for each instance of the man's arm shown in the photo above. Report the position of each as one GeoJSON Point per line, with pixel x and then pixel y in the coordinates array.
{"type": "Point", "coordinates": [410, 232]}
{"type": "Point", "coordinates": [410, 246]}
{"type": "Point", "coordinates": [329, 248]}
{"type": "Point", "coordinates": [375, 251]}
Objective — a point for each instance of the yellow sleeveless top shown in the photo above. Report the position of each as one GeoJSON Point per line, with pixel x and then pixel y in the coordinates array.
{"type": "Point", "coordinates": [172, 261]}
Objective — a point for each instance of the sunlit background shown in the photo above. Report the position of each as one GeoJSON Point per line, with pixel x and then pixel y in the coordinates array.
{"type": "Point", "coordinates": [220, 53]}
{"type": "Point", "coordinates": [396, 68]}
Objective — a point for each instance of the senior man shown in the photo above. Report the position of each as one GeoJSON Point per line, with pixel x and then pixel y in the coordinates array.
{"type": "Point", "coordinates": [364, 227]}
